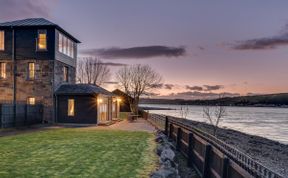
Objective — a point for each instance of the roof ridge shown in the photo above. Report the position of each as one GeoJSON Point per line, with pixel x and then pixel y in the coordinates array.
{"type": "Point", "coordinates": [32, 22]}
{"type": "Point", "coordinates": [28, 19]}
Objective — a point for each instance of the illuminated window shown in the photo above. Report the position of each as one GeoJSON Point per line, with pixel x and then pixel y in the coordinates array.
{"type": "Point", "coordinates": [3, 70]}
{"type": "Point", "coordinates": [71, 107]}
{"type": "Point", "coordinates": [31, 101]}
{"type": "Point", "coordinates": [65, 74]}
{"type": "Point", "coordinates": [31, 70]}
{"type": "Point", "coordinates": [42, 40]}
{"type": "Point", "coordinates": [65, 45]}
{"type": "Point", "coordinates": [60, 43]}
{"type": "Point", "coordinates": [2, 39]}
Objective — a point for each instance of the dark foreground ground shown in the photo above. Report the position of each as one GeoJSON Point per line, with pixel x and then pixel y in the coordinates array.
{"type": "Point", "coordinates": [269, 153]}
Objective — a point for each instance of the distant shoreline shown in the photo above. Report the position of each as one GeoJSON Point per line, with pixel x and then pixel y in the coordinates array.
{"type": "Point", "coordinates": [160, 108]}
{"type": "Point", "coordinates": [270, 100]}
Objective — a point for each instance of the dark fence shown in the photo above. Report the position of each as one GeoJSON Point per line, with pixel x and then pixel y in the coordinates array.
{"type": "Point", "coordinates": [20, 115]}
{"type": "Point", "coordinates": [210, 156]}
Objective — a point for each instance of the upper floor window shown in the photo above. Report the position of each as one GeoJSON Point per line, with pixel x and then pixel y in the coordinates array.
{"type": "Point", "coordinates": [2, 39]}
{"type": "Point", "coordinates": [65, 45]}
{"type": "Point", "coordinates": [42, 40]}
{"type": "Point", "coordinates": [3, 70]}
{"type": "Point", "coordinates": [65, 74]}
{"type": "Point", "coordinates": [31, 70]}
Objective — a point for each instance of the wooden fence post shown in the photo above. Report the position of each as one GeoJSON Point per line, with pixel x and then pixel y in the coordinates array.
{"type": "Point", "coordinates": [26, 114]}
{"type": "Point", "coordinates": [225, 162]}
{"type": "Point", "coordinates": [190, 150]}
{"type": "Point", "coordinates": [179, 137]}
{"type": "Point", "coordinates": [166, 125]}
{"type": "Point", "coordinates": [206, 161]}
{"type": "Point", "coordinates": [170, 131]}
{"type": "Point", "coordinates": [1, 117]}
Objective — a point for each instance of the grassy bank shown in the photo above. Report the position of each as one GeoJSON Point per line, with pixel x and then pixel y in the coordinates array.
{"type": "Point", "coordinates": [77, 153]}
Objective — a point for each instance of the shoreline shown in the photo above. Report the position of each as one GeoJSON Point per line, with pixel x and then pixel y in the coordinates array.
{"type": "Point", "coordinates": [248, 106]}
{"type": "Point", "coordinates": [271, 154]}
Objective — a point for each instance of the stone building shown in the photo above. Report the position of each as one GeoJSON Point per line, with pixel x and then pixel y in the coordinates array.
{"type": "Point", "coordinates": [36, 57]}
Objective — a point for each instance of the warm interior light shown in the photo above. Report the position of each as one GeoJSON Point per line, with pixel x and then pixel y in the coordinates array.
{"type": "Point", "coordinates": [100, 100]}
{"type": "Point", "coordinates": [119, 100]}
{"type": "Point", "coordinates": [42, 41]}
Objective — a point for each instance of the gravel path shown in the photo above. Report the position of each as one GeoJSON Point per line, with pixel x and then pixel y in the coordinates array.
{"type": "Point", "coordinates": [138, 125]}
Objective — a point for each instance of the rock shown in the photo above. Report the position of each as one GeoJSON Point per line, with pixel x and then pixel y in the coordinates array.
{"type": "Point", "coordinates": [160, 138]}
{"type": "Point", "coordinates": [167, 154]}
{"type": "Point", "coordinates": [162, 147]}
{"type": "Point", "coordinates": [165, 173]}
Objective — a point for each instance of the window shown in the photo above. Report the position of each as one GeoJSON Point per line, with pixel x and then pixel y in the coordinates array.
{"type": "Point", "coordinates": [71, 107]}
{"type": "Point", "coordinates": [65, 45]}
{"type": "Point", "coordinates": [31, 101]}
{"type": "Point", "coordinates": [65, 74]}
{"type": "Point", "coordinates": [3, 70]}
{"type": "Point", "coordinates": [42, 40]}
{"type": "Point", "coordinates": [60, 43]}
{"type": "Point", "coordinates": [2, 39]}
{"type": "Point", "coordinates": [31, 70]}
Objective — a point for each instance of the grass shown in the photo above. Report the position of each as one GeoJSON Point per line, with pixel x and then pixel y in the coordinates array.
{"type": "Point", "coordinates": [78, 153]}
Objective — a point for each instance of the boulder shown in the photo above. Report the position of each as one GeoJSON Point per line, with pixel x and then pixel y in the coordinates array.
{"type": "Point", "coordinates": [167, 154]}
{"type": "Point", "coordinates": [165, 173]}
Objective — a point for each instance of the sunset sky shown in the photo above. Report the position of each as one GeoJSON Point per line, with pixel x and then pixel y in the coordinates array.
{"type": "Point", "coordinates": [199, 47]}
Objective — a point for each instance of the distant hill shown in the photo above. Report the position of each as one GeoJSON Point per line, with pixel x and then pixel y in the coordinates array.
{"type": "Point", "coordinates": [273, 100]}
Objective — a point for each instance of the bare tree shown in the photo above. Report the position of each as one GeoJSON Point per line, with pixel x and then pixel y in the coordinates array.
{"type": "Point", "coordinates": [184, 111]}
{"type": "Point", "coordinates": [137, 80]}
{"type": "Point", "coordinates": [92, 71]}
{"type": "Point", "coordinates": [214, 114]}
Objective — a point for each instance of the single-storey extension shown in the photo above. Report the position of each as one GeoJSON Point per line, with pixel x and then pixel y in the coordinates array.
{"type": "Point", "coordinates": [85, 104]}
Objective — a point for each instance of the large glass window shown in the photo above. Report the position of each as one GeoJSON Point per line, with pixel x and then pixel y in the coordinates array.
{"type": "Point", "coordinates": [31, 70]}
{"type": "Point", "coordinates": [65, 45]}
{"type": "Point", "coordinates": [65, 74]}
{"type": "Point", "coordinates": [60, 43]}
{"type": "Point", "coordinates": [71, 107]}
{"type": "Point", "coordinates": [42, 40]}
{"type": "Point", "coordinates": [2, 40]}
{"type": "Point", "coordinates": [3, 70]}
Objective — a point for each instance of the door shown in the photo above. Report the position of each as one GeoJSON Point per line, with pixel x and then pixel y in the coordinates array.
{"type": "Point", "coordinates": [102, 110]}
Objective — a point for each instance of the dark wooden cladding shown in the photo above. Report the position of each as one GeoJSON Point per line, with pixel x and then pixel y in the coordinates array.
{"type": "Point", "coordinates": [208, 156]}
{"type": "Point", "coordinates": [85, 113]}
{"type": "Point", "coordinates": [26, 46]}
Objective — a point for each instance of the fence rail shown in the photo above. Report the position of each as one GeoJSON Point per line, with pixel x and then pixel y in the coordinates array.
{"type": "Point", "coordinates": [210, 156]}
{"type": "Point", "coordinates": [20, 115]}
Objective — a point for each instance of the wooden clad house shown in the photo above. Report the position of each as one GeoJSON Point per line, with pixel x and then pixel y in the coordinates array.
{"type": "Point", "coordinates": [84, 103]}
{"type": "Point", "coordinates": [38, 66]}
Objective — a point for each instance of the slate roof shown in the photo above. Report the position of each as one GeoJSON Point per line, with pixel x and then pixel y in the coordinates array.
{"type": "Point", "coordinates": [81, 89]}
{"type": "Point", "coordinates": [34, 22]}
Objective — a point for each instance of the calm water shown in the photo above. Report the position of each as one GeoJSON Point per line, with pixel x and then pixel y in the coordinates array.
{"type": "Point", "coordinates": [267, 122]}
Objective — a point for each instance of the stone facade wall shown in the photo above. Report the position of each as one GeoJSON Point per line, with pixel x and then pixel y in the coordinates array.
{"type": "Point", "coordinates": [40, 88]}
{"type": "Point", "coordinates": [48, 76]}
{"type": "Point", "coordinates": [59, 74]}
{"type": "Point", "coordinates": [6, 85]}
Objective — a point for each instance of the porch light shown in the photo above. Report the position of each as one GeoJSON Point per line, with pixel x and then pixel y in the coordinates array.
{"type": "Point", "coordinates": [99, 100]}
{"type": "Point", "coordinates": [119, 100]}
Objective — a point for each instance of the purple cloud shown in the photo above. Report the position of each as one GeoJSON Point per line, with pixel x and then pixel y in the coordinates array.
{"type": "Point", "coordinates": [212, 87]}
{"type": "Point", "coordinates": [194, 88]}
{"type": "Point", "coordinates": [264, 43]}
{"type": "Point", "coordinates": [19, 9]}
{"type": "Point", "coordinates": [136, 52]}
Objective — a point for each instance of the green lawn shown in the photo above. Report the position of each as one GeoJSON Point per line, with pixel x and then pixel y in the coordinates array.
{"type": "Point", "coordinates": [77, 153]}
